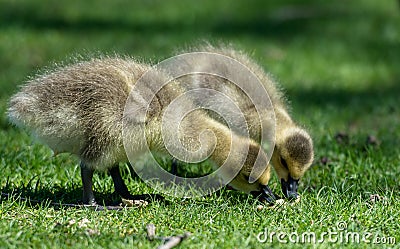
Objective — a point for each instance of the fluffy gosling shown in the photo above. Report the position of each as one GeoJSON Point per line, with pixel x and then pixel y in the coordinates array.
{"type": "Point", "coordinates": [293, 153]}
{"type": "Point", "coordinates": [79, 109]}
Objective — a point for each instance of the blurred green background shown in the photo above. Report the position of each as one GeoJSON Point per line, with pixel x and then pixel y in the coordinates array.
{"type": "Point", "coordinates": [338, 61]}
{"type": "Point", "coordinates": [341, 55]}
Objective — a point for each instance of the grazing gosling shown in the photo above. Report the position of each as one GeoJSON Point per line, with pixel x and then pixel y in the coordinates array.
{"type": "Point", "coordinates": [79, 109]}
{"type": "Point", "coordinates": [293, 153]}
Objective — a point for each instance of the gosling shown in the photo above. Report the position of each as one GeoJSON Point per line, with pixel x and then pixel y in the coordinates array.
{"type": "Point", "coordinates": [79, 109]}
{"type": "Point", "coordinates": [293, 153]}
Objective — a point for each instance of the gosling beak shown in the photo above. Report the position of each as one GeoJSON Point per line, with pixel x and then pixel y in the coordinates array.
{"type": "Point", "coordinates": [289, 188]}
{"type": "Point", "coordinates": [265, 195]}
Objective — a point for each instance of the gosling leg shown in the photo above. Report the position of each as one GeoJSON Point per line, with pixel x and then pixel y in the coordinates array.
{"type": "Point", "coordinates": [123, 191]}
{"type": "Point", "coordinates": [119, 184]}
{"type": "Point", "coordinates": [174, 167]}
{"type": "Point", "coordinates": [87, 175]}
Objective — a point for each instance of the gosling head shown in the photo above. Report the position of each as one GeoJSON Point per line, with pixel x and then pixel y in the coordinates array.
{"type": "Point", "coordinates": [292, 157]}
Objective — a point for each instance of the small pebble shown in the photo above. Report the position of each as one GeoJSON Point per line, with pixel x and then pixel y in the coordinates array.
{"type": "Point", "coordinates": [280, 202]}
{"type": "Point", "coordinates": [135, 203]}
{"type": "Point", "coordinates": [90, 231]}
{"type": "Point", "coordinates": [377, 198]}
{"type": "Point", "coordinates": [83, 223]}
{"type": "Point", "coordinates": [298, 199]}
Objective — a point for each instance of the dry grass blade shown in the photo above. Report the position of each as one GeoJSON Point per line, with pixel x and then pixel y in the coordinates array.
{"type": "Point", "coordinates": [151, 231]}
{"type": "Point", "coordinates": [173, 241]}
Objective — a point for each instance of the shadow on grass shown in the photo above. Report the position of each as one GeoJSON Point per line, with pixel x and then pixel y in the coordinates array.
{"type": "Point", "coordinates": [71, 198]}
{"type": "Point", "coordinates": [55, 197]}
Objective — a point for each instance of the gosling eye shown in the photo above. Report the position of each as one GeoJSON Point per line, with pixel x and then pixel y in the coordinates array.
{"type": "Point", "coordinates": [284, 163]}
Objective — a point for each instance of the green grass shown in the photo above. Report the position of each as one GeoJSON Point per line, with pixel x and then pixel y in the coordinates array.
{"type": "Point", "coordinates": [339, 63]}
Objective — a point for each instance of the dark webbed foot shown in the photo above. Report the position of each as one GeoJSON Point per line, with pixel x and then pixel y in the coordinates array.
{"type": "Point", "coordinates": [265, 195]}
{"type": "Point", "coordinates": [289, 188]}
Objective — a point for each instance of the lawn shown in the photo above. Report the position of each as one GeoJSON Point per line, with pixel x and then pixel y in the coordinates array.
{"type": "Point", "coordinates": [338, 63]}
